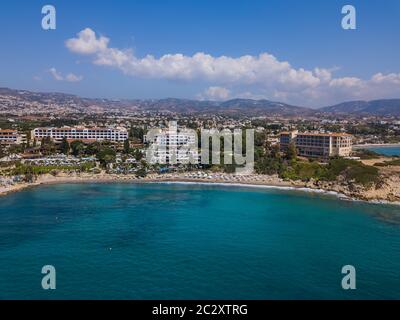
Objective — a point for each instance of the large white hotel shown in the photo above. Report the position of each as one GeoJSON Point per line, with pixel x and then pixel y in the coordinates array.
{"type": "Point", "coordinates": [81, 133]}
{"type": "Point", "coordinates": [172, 145]}
{"type": "Point", "coordinates": [318, 145]}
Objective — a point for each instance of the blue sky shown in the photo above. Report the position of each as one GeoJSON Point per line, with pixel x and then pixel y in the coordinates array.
{"type": "Point", "coordinates": [309, 59]}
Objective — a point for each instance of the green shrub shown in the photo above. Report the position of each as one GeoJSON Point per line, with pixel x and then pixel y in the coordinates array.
{"type": "Point", "coordinates": [363, 174]}
{"type": "Point", "coordinates": [304, 171]}
{"type": "Point", "coordinates": [351, 170]}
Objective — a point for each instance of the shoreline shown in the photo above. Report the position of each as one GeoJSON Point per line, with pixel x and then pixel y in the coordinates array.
{"type": "Point", "coordinates": [272, 183]}
{"type": "Point", "coordinates": [110, 178]}
{"type": "Point", "coordinates": [338, 195]}
{"type": "Point", "coordinates": [383, 145]}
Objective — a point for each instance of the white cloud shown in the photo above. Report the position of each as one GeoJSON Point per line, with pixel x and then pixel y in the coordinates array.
{"type": "Point", "coordinates": [70, 77]}
{"type": "Point", "coordinates": [262, 75]}
{"type": "Point", "coordinates": [87, 42]}
{"type": "Point", "coordinates": [215, 93]}
{"type": "Point", "coordinates": [246, 69]}
{"type": "Point", "coordinates": [346, 82]}
{"type": "Point", "coordinates": [324, 75]}
{"type": "Point", "coordinates": [56, 75]}
{"type": "Point", "coordinates": [392, 78]}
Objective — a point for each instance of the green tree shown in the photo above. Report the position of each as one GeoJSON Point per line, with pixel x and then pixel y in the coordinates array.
{"type": "Point", "coordinates": [77, 147]}
{"type": "Point", "coordinates": [268, 161]}
{"type": "Point", "coordinates": [48, 146]}
{"type": "Point", "coordinates": [106, 155]}
{"type": "Point", "coordinates": [93, 148]}
{"type": "Point", "coordinates": [126, 146]}
{"type": "Point", "coordinates": [275, 152]}
{"type": "Point", "coordinates": [137, 153]}
{"type": "Point", "coordinates": [14, 149]}
{"type": "Point", "coordinates": [291, 152]}
{"type": "Point", "coordinates": [141, 172]}
{"type": "Point", "coordinates": [268, 165]}
{"type": "Point", "coordinates": [136, 133]}
{"type": "Point", "coordinates": [260, 139]}
{"type": "Point", "coordinates": [2, 152]}
{"type": "Point", "coordinates": [64, 146]}
{"type": "Point", "coordinates": [29, 174]}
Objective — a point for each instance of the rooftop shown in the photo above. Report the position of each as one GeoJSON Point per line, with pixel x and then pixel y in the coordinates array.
{"type": "Point", "coordinates": [318, 134]}
{"type": "Point", "coordinates": [7, 131]}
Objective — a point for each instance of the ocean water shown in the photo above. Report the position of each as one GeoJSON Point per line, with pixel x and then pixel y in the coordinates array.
{"type": "Point", "coordinates": [387, 151]}
{"type": "Point", "coordinates": [172, 241]}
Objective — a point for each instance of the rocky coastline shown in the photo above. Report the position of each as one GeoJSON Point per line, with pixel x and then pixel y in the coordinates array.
{"type": "Point", "coordinates": [387, 192]}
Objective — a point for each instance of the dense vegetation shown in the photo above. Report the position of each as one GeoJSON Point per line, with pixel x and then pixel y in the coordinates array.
{"type": "Point", "coordinates": [270, 161]}
{"type": "Point", "coordinates": [31, 171]}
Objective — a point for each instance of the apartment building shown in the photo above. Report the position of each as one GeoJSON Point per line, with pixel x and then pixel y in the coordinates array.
{"type": "Point", "coordinates": [81, 133]}
{"type": "Point", "coordinates": [172, 145]}
{"type": "Point", "coordinates": [11, 137]}
{"type": "Point", "coordinates": [318, 145]}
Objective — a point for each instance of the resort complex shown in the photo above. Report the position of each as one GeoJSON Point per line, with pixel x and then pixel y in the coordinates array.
{"type": "Point", "coordinates": [316, 144]}
{"type": "Point", "coordinates": [196, 158]}
{"type": "Point", "coordinates": [131, 144]}
{"type": "Point", "coordinates": [81, 133]}
{"type": "Point", "coordinates": [11, 137]}
{"type": "Point", "coordinates": [172, 145]}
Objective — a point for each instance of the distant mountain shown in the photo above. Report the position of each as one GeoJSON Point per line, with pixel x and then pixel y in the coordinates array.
{"type": "Point", "coordinates": [384, 107]}
{"type": "Point", "coordinates": [231, 107]}
{"type": "Point", "coordinates": [265, 107]}
{"type": "Point", "coordinates": [26, 102]}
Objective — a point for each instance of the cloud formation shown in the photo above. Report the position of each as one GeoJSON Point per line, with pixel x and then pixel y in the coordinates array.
{"type": "Point", "coordinates": [215, 93]}
{"type": "Point", "coordinates": [262, 75]}
{"type": "Point", "coordinates": [70, 77]}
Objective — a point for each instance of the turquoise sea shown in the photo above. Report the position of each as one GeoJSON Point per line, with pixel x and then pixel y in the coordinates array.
{"type": "Point", "coordinates": [177, 241]}
{"type": "Point", "coordinates": [387, 151]}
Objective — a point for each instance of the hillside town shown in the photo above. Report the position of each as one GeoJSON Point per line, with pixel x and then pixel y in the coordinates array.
{"type": "Point", "coordinates": [310, 152]}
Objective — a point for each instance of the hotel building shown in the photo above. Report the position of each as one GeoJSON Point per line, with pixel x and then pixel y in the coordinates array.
{"type": "Point", "coordinates": [172, 146]}
{"type": "Point", "coordinates": [10, 137]}
{"type": "Point", "coordinates": [81, 133]}
{"type": "Point", "coordinates": [318, 145]}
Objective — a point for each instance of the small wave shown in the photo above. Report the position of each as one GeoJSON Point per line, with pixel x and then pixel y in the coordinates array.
{"type": "Point", "coordinates": [245, 185]}
{"type": "Point", "coordinates": [338, 195]}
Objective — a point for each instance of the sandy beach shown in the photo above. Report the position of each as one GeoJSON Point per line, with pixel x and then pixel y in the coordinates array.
{"type": "Point", "coordinates": [389, 194]}
{"type": "Point", "coordinates": [175, 177]}
{"type": "Point", "coordinates": [231, 179]}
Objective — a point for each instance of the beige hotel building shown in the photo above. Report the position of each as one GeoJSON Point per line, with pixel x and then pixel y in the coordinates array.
{"type": "Point", "coordinates": [10, 137]}
{"type": "Point", "coordinates": [318, 145]}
